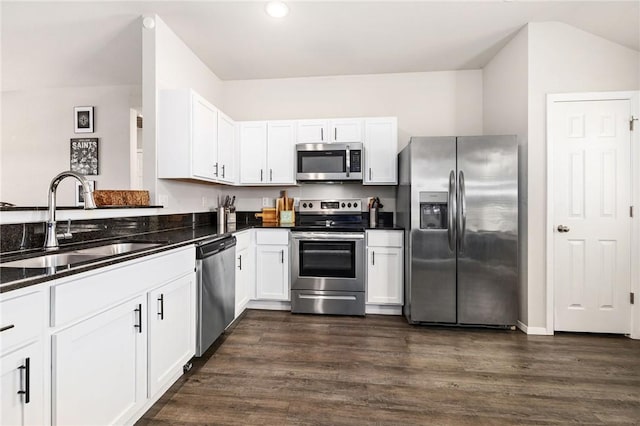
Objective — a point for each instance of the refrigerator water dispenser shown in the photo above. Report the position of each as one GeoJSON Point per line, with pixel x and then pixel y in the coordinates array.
{"type": "Point", "coordinates": [433, 210]}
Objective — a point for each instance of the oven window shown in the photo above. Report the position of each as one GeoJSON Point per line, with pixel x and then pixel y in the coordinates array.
{"type": "Point", "coordinates": [331, 259]}
{"type": "Point", "coordinates": [321, 161]}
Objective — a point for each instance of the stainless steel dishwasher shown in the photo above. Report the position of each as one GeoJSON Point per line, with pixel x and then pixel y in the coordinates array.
{"type": "Point", "coordinates": [216, 279]}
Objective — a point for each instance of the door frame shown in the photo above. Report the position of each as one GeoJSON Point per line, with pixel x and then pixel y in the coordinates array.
{"type": "Point", "coordinates": [634, 98]}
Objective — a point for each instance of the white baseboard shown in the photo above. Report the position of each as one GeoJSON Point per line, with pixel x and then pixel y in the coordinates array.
{"type": "Point", "coordinates": [383, 310]}
{"type": "Point", "coordinates": [540, 331]}
{"type": "Point", "coordinates": [271, 305]}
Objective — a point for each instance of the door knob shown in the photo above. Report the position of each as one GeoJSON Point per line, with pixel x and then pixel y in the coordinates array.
{"type": "Point", "coordinates": [562, 228]}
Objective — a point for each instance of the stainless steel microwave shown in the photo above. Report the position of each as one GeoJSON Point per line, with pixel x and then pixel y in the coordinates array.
{"type": "Point", "coordinates": [329, 161]}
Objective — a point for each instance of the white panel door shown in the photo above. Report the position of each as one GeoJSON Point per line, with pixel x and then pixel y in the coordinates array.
{"type": "Point", "coordinates": [384, 275]}
{"type": "Point", "coordinates": [243, 279]}
{"type": "Point", "coordinates": [22, 401]}
{"type": "Point", "coordinates": [592, 224]}
{"type": "Point", "coordinates": [99, 367]}
{"type": "Point", "coordinates": [272, 272]}
{"type": "Point", "coordinates": [346, 130]}
{"type": "Point", "coordinates": [253, 152]}
{"type": "Point", "coordinates": [280, 152]}
{"type": "Point", "coordinates": [380, 151]}
{"type": "Point", "coordinates": [172, 331]}
{"type": "Point", "coordinates": [204, 139]}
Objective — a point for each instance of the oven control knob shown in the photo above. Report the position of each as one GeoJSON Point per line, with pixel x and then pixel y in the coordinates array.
{"type": "Point", "coordinates": [304, 205]}
{"type": "Point", "coordinates": [355, 204]}
{"type": "Point", "coordinates": [349, 205]}
{"type": "Point", "coordinates": [310, 205]}
{"type": "Point", "coordinates": [343, 204]}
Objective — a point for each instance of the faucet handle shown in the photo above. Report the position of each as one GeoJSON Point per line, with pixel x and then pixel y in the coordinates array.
{"type": "Point", "coordinates": [66, 235]}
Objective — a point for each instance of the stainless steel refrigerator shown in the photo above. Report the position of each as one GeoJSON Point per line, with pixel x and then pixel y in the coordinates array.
{"type": "Point", "coordinates": [457, 199]}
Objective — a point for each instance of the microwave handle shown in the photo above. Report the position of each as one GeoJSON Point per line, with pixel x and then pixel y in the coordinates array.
{"type": "Point", "coordinates": [348, 160]}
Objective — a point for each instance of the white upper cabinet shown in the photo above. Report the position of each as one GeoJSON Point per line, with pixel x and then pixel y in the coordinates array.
{"type": "Point", "coordinates": [267, 152]}
{"type": "Point", "coordinates": [327, 131]}
{"type": "Point", "coordinates": [226, 148]}
{"type": "Point", "coordinates": [281, 152]}
{"type": "Point", "coordinates": [345, 130]}
{"type": "Point", "coordinates": [380, 151]}
{"type": "Point", "coordinates": [313, 131]}
{"type": "Point", "coordinates": [195, 140]}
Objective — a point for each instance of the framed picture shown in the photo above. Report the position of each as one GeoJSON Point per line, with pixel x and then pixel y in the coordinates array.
{"type": "Point", "coordinates": [80, 192]}
{"type": "Point", "coordinates": [84, 156]}
{"type": "Point", "coordinates": [83, 119]}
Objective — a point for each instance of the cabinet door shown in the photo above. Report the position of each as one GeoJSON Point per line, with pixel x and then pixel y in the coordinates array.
{"type": "Point", "coordinates": [99, 367]}
{"type": "Point", "coordinates": [171, 320]}
{"type": "Point", "coordinates": [226, 148]}
{"type": "Point", "coordinates": [280, 152]}
{"type": "Point", "coordinates": [15, 367]}
{"type": "Point", "coordinates": [244, 281]}
{"type": "Point", "coordinates": [348, 130]}
{"type": "Point", "coordinates": [313, 131]}
{"type": "Point", "coordinates": [384, 275]}
{"type": "Point", "coordinates": [253, 152]}
{"type": "Point", "coordinates": [272, 272]}
{"type": "Point", "coordinates": [204, 124]}
{"type": "Point", "coordinates": [380, 151]}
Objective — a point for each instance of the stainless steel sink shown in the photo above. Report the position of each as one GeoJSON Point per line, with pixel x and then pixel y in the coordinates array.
{"type": "Point", "coordinates": [116, 248]}
{"type": "Point", "coordinates": [77, 256]}
{"type": "Point", "coordinates": [50, 260]}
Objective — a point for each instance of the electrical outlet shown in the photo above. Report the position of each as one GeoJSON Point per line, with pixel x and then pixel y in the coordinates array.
{"type": "Point", "coordinates": [266, 202]}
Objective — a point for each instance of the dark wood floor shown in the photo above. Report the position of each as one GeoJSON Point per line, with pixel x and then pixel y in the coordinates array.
{"type": "Point", "coordinates": [275, 368]}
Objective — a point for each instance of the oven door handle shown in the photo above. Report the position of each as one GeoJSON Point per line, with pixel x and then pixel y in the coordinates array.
{"type": "Point", "coordinates": [326, 236]}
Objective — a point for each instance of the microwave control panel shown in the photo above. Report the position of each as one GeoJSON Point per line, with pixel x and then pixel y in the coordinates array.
{"type": "Point", "coordinates": [356, 161]}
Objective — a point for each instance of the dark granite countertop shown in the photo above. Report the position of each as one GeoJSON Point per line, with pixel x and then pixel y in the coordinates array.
{"type": "Point", "coordinates": [14, 278]}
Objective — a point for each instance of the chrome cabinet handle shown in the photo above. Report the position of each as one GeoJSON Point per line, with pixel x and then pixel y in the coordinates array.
{"type": "Point", "coordinates": [563, 228]}
{"type": "Point", "coordinates": [282, 256]}
{"type": "Point", "coordinates": [369, 173]}
{"type": "Point", "coordinates": [451, 214]}
{"type": "Point", "coordinates": [240, 262]}
{"type": "Point", "coordinates": [216, 172]}
{"type": "Point", "coordinates": [373, 257]}
{"type": "Point", "coordinates": [161, 300]}
{"type": "Point", "coordinates": [223, 170]}
{"type": "Point", "coordinates": [27, 381]}
{"type": "Point", "coordinates": [260, 175]}
{"type": "Point", "coordinates": [322, 133]}
{"type": "Point", "coordinates": [270, 175]}
{"type": "Point", "coordinates": [462, 212]}
{"type": "Point", "coordinates": [335, 133]}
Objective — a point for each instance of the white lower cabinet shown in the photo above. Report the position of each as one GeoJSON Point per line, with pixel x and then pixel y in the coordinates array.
{"type": "Point", "coordinates": [385, 267]}
{"type": "Point", "coordinates": [171, 319]}
{"type": "Point", "coordinates": [245, 277]}
{"type": "Point", "coordinates": [22, 386]}
{"type": "Point", "coordinates": [99, 367]}
{"type": "Point", "coordinates": [22, 357]}
{"type": "Point", "coordinates": [272, 265]}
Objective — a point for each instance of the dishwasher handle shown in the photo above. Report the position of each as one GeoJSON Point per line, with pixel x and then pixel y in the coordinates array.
{"type": "Point", "coordinates": [208, 249]}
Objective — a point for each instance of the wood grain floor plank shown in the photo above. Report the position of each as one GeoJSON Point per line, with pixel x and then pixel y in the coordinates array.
{"type": "Point", "coordinates": [275, 368]}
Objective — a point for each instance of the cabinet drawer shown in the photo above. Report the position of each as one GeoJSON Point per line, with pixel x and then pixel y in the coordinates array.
{"type": "Point", "coordinates": [22, 319]}
{"type": "Point", "coordinates": [96, 290]}
{"type": "Point", "coordinates": [272, 237]}
{"type": "Point", "coordinates": [384, 238]}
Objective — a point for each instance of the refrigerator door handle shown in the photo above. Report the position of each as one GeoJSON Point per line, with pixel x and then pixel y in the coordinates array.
{"type": "Point", "coordinates": [451, 215]}
{"type": "Point", "coordinates": [462, 212]}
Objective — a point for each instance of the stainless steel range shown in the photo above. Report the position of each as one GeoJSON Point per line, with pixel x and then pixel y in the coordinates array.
{"type": "Point", "coordinates": [327, 274]}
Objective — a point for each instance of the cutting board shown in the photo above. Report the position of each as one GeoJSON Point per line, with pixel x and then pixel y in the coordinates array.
{"type": "Point", "coordinates": [268, 215]}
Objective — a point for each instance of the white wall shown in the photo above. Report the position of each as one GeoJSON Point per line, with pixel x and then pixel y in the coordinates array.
{"type": "Point", "coordinates": [167, 63]}
{"type": "Point", "coordinates": [37, 127]}
{"type": "Point", "coordinates": [426, 104]}
{"type": "Point", "coordinates": [562, 59]}
{"type": "Point", "coordinates": [505, 111]}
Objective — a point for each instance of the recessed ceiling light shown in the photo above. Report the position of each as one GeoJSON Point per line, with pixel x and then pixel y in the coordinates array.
{"type": "Point", "coordinates": [277, 9]}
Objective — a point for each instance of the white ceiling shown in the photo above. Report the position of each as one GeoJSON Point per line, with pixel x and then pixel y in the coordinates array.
{"type": "Point", "coordinates": [53, 44]}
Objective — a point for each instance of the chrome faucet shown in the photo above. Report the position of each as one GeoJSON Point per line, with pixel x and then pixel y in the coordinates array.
{"type": "Point", "coordinates": [51, 239]}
